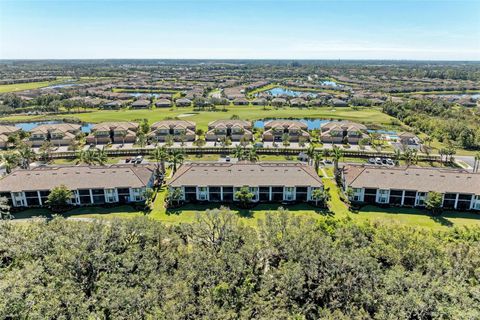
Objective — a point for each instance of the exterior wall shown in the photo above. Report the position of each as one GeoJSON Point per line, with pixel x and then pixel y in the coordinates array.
{"type": "Point", "coordinates": [384, 197]}
{"type": "Point", "coordinates": [110, 196]}
{"type": "Point", "coordinates": [288, 194]}
{"type": "Point", "coordinates": [98, 140]}
{"type": "Point", "coordinates": [162, 137]}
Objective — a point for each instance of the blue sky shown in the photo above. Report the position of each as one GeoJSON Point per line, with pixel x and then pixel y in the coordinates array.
{"type": "Point", "coordinates": [282, 29]}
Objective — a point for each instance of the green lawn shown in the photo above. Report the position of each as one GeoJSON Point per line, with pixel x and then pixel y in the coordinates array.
{"type": "Point", "coordinates": [4, 88]}
{"type": "Point", "coordinates": [202, 118]}
{"type": "Point", "coordinates": [338, 209]}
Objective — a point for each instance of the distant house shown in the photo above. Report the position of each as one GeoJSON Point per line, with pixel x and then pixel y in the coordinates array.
{"type": "Point", "coordinates": [176, 129]}
{"type": "Point", "coordinates": [240, 101]}
{"type": "Point", "coordinates": [140, 104]}
{"type": "Point", "coordinates": [163, 103]}
{"type": "Point", "coordinates": [338, 103]}
{"type": "Point", "coordinates": [89, 185]}
{"type": "Point", "coordinates": [183, 102]}
{"type": "Point", "coordinates": [342, 131]}
{"type": "Point", "coordinates": [113, 132]}
{"type": "Point", "coordinates": [298, 102]}
{"type": "Point", "coordinates": [295, 130]}
{"type": "Point", "coordinates": [316, 102]}
{"type": "Point", "coordinates": [278, 102]}
{"type": "Point", "coordinates": [233, 129]}
{"type": "Point", "coordinates": [260, 102]}
{"type": "Point", "coordinates": [60, 134]}
{"type": "Point", "coordinates": [114, 105]}
{"type": "Point", "coordinates": [269, 182]}
{"type": "Point", "coordinates": [408, 139]}
{"type": "Point", "coordinates": [5, 132]}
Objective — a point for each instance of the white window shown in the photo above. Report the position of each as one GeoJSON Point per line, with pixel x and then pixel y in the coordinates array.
{"type": "Point", "coordinates": [110, 195]}
{"type": "Point", "coordinates": [476, 203]}
{"type": "Point", "coordinates": [421, 198]}
{"type": "Point", "coordinates": [202, 193]}
{"type": "Point", "coordinates": [289, 193]}
{"type": "Point", "coordinates": [383, 196]}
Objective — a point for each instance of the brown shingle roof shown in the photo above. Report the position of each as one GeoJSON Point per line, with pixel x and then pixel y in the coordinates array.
{"type": "Point", "coordinates": [77, 177]}
{"type": "Point", "coordinates": [412, 178]}
{"type": "Point", "coordinates": [246, 174]}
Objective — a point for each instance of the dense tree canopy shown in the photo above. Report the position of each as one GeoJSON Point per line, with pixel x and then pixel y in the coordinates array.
{"type": "Point", "coordinates": [217, 268]}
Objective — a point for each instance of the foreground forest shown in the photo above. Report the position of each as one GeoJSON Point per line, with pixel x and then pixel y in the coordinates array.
{"type": "Point", "coordinates": [217, 268]}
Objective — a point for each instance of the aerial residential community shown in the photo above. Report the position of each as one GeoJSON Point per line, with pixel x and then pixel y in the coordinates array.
{"type": "Point", "coordinates": [215, 136]}
{"type": "Point", "coordinates": [294, 159]}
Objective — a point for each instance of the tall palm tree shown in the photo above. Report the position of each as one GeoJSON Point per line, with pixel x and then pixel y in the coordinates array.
{"type": "Point", "coordinates": [27, 155]}
{"type": "Point", "coordinates": [337, 154]}
{"type": "Point", "coordinates": [252, 155]}
{"type": "Point", "coordinates": [397, 156]}
{"type": "Point", "coordinates": [310, 153]}
{"type": "Point", "coordinates": [317, 157]}
{"type": "Point", "coordinates": [176, 157]}
{"type": "Point", "coordinates": [326, 153]}
{"type": "Point", "coordinates": [160, 155]}
{"type": "Point", "coordinates": [141, 139]}
{"type": "Point", "coordinates": [11, 161]}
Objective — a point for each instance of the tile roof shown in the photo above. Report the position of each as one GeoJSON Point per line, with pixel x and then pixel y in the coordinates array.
{"type": "Point", "coordinates": [245, 173]}
{"type": "Point", "coordinates": [412, 178]}
{"type": "Point", "coordinates": [77, 177]}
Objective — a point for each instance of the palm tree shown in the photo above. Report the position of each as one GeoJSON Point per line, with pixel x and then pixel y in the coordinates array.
{"type": "Point", "coordinates": [160, 155]}
{"type": "Point", "coordinates": [337, 154]}
{"type": "Point", "coordinates": [397, 156]}
{"type": "Point", "coordinates": [141, 139]}
{"type": "Point", "coordinates": [285, 139]}
{"type": "Point", "coordinates": [310, 153]}
{"type": "Point", "coordinates": [101, 157]}
{"type": "Point", "coordinates": [317, 157]}
{"type": "Point", "coordinates": [27, 155]}
{"type": "Point", "coordinates": [46, 150]}
{"type": "Point", "coordinates": [408, 156]}
{"type": "Point", "coordinates": [441, 152]}
{"type": "Point", "coordinates": [11, 161]}
{"type": "Point", "coordinates": [176, 157]}
{"type": "Point", "coordinates": [92, 156]}
{"type": "Point", "coordinates": [252, 155]}
{"type": "Point", "coordinates": [239, 152]}
{"type": "Point", "coordinates": [326, 153]}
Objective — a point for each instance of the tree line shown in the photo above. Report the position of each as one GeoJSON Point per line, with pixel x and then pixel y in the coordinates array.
{"type": "Point", "coordinates": [218, 268]}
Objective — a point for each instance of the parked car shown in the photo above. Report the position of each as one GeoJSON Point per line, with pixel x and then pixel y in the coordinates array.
{"type": "Point", "coordinates": [371, 160]}
{"type": "Point", "coordinates": [227, 159]}
{"type": "Point", "coordinates": [378, 161]}
{"type": "Point", "coordinates": [390, 162]}
{"type": "Point", "coordinates": [138, 159]}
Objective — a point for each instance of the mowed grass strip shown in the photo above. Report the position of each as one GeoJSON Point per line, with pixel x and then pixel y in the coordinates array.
{"type": "Point", "coordinates": [202, 118]}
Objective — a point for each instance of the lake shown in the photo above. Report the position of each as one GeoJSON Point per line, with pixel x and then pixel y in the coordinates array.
{"type": "Point", "coordinates": [330, 83]}
{"type": "Point", "coordinates": [138, 94]}
{"type": "Point", "coordinates": [287, 92]}
{"type": "Point", "coordinates": [27, 126]}
{"type": "Point", "coordinates": [312, 124]}
{"type": "Point", "coordinates": [61, 85]}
